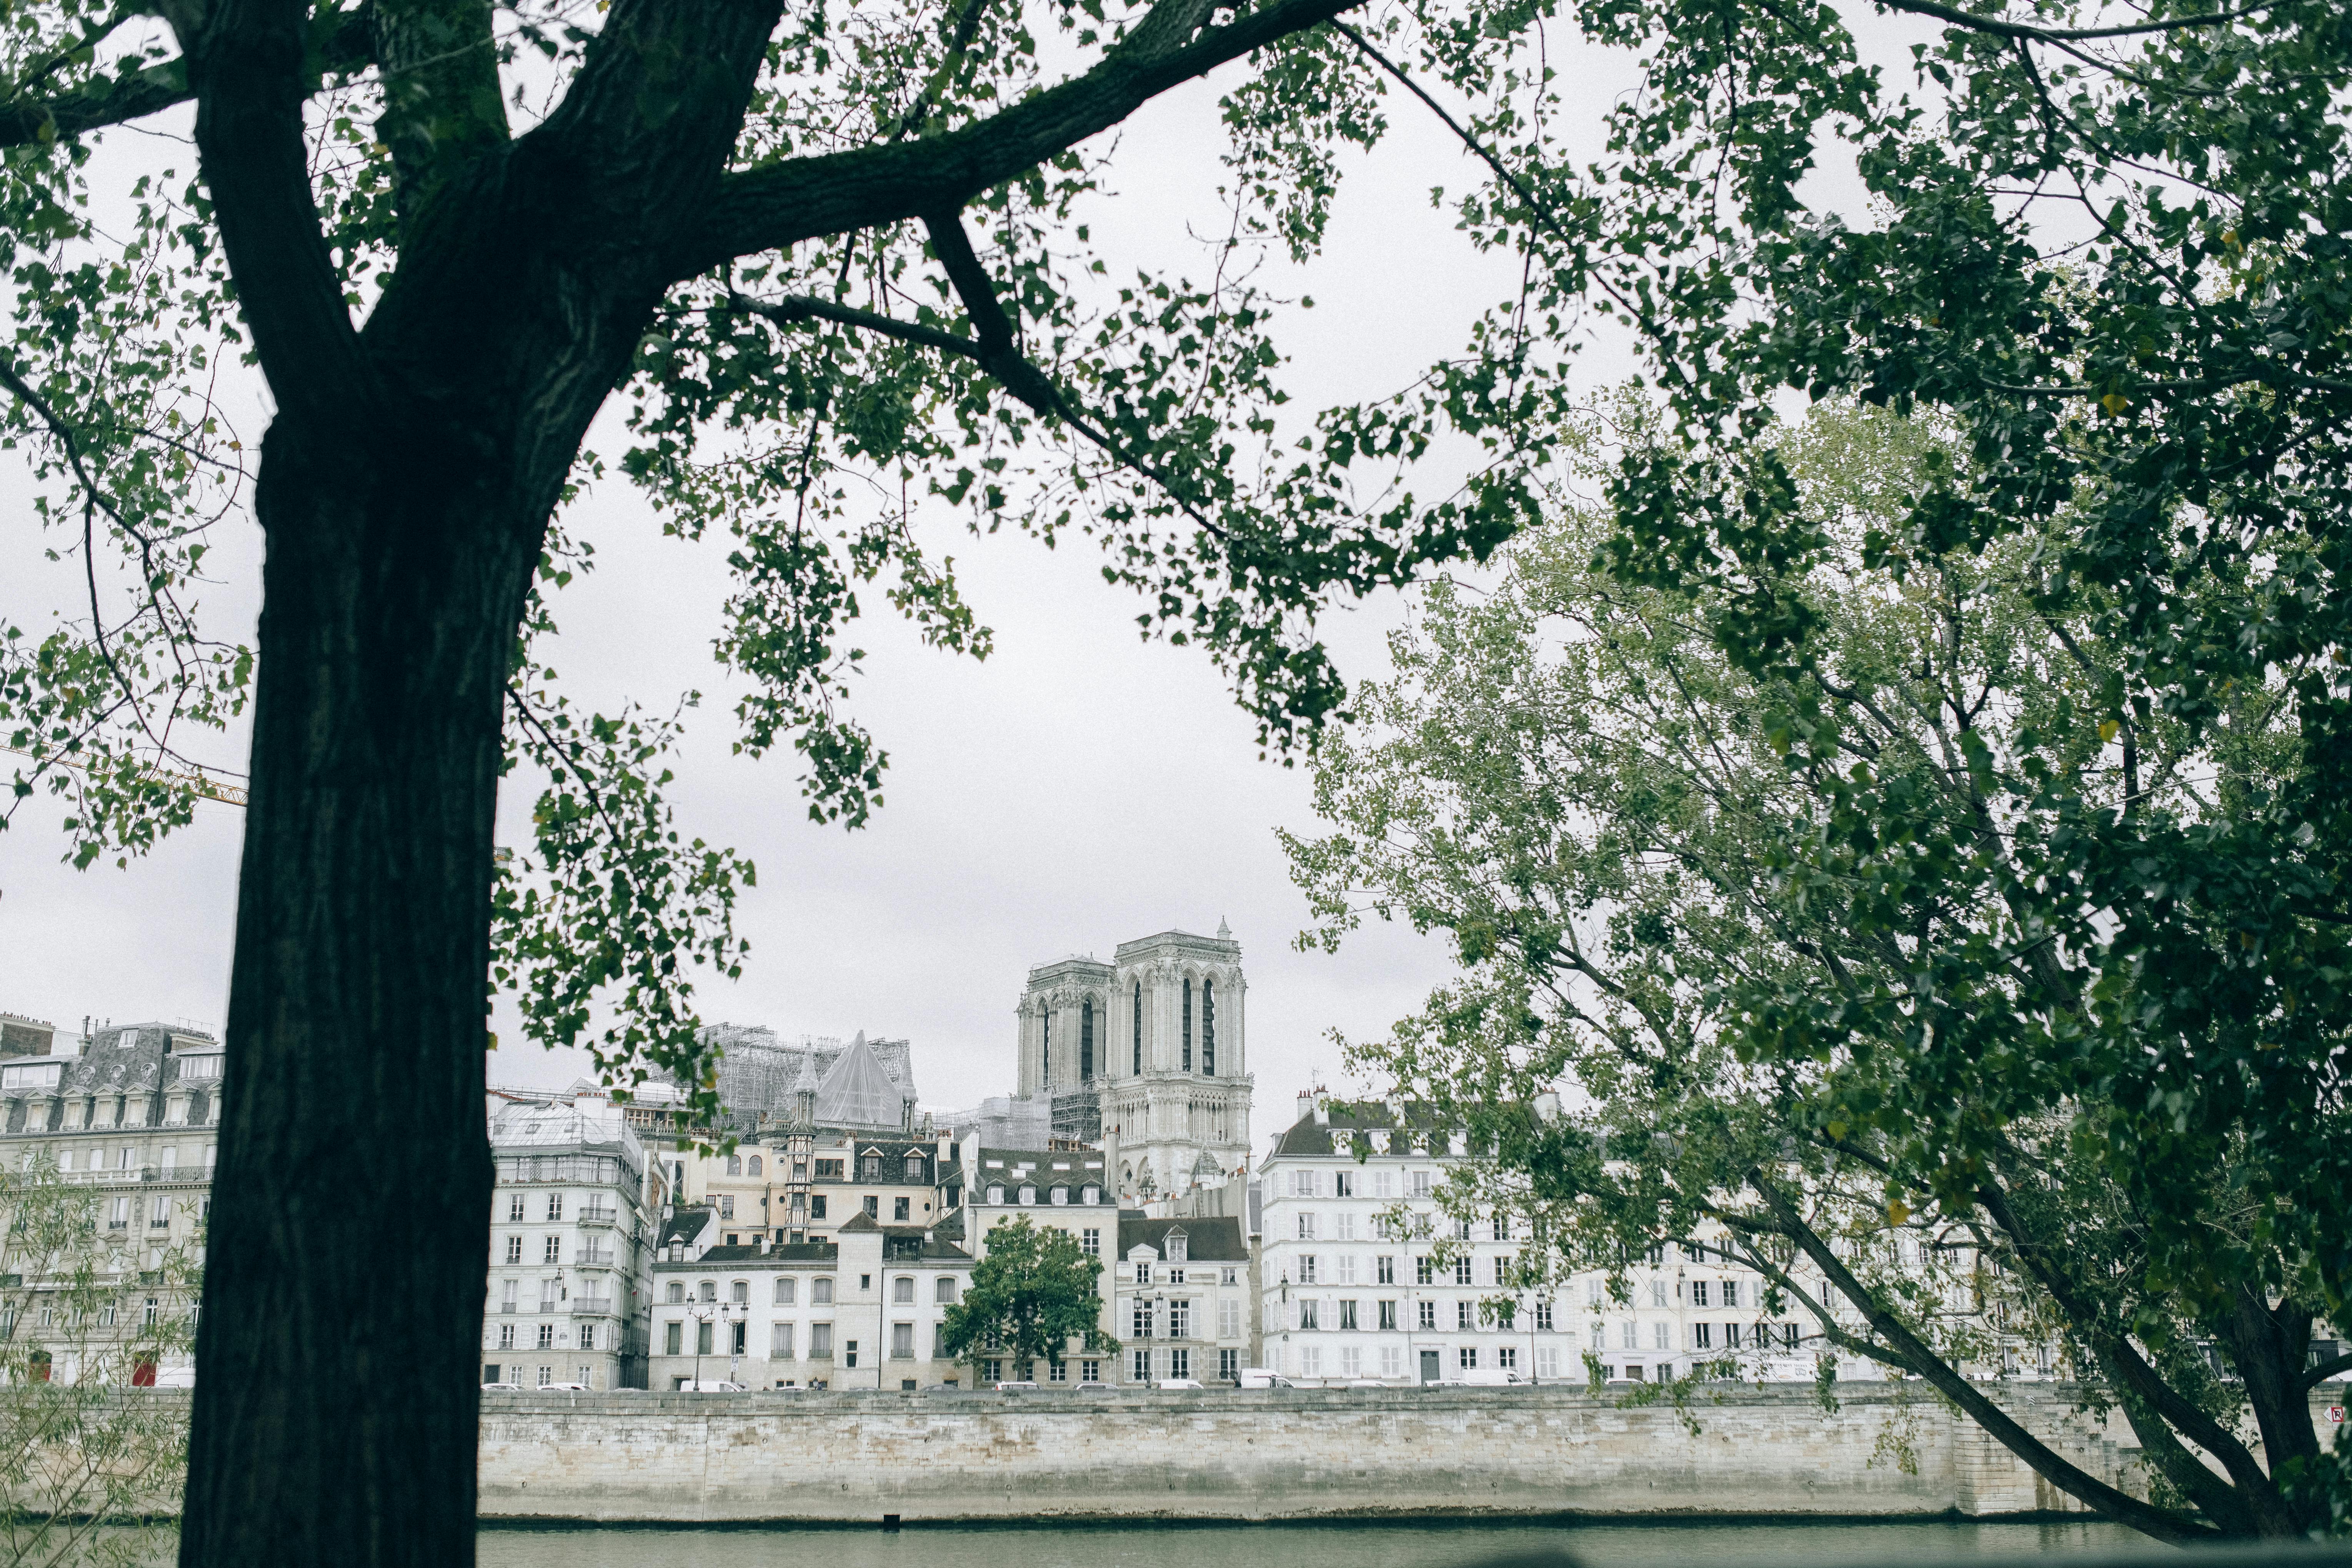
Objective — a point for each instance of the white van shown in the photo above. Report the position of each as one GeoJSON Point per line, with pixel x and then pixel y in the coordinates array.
{"type": "Point", "coordinates": [1263, 1377]}
{"type": "Point", "coordinates": [1489, 1377]}
{"type": "Point", "coordinates": [707, 1386]}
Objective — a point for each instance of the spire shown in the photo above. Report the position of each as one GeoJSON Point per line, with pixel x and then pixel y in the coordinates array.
{"type": "Point", "coordinates": [1224, 931]}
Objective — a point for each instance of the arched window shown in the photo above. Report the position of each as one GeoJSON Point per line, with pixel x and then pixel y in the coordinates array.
{"type": "Point", "coordinates": [755, 1164]}
{"type": "Point", "coordinates": [734, 1164]}
{"type": "Point", "coordinates": [1086, 1040]}
{"type": "Point", "coordinates": [1187, 1036]}
{"type": "Point", "coordinates": [1045, 1051]}
{"type": "Point", "coordinates": [1138, 1028]}
{"type": "Point", "coordinates": [1209, 1027]}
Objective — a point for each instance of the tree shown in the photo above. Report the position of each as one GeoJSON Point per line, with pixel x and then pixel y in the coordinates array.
{"type": "Point", "coordinates": [1032, 1293]}
{"type": "Point", "coordinates": [755, 226]}
{"type": "Point", "coordinates": [1841, 1012]}
{"type": "Point", "coordinates": [89, 1462]}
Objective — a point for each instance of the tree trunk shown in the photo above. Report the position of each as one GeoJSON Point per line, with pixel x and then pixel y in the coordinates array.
{"type": "Point", "coordinates": [335, 1419]}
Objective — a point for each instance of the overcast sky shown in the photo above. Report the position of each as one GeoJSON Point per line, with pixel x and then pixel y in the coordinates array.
{"type": "Point", "coordinates": [1077, 789]}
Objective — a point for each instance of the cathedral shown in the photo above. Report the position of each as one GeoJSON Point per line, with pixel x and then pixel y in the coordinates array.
{"type": "Point", "coordinates": [1148, 1055]}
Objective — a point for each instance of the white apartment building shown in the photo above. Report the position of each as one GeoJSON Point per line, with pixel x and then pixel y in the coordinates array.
{"type": "Point", "coordinates": [863, 1309]}
{"type": "Point", "coordinates": [570, 1252]}
{"type": "Point", "coordinates": [1053, 1189]}
{"type": "Point", "coordinates": [1344, 1297]}
{"type": "Point", "coordinates": [1181, 1301]}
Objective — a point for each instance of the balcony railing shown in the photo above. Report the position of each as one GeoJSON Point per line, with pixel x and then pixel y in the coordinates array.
{"type": "Point", "coordinates": [583, 1306]}
{"type": "Point", "coordinates": [510, 1306]}
{"type": "Point", "coordinates": [592, 1217]}
{"type": "Point", "coordinates": [593, 1260]}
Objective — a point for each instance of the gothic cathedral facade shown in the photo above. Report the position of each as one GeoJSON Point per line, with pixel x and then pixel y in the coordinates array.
{"type": "Point", "coordinates": [1148, 1054]}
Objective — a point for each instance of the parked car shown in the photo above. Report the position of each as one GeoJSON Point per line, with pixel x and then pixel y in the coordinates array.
{"type": "Point", "coordinates": [1366, 1383]}
{"type": "Point", "coordinates": [1016, 1387]}
{"type": "Point", "coordinates": [1261, 1377]}
{"type": "Point", "coordinates": [1092, 1387]}
{"type": "Point", "coordinates": [486, 1388]}
{"type": "Point", "coordinates": [175, 1377]}
{"type": "Point", "coordinates": [565, 1388]}
{"type": "Point", "coordinates": [707, 1386]}
{"type": "Point", "coordinates": [1179, 1384]}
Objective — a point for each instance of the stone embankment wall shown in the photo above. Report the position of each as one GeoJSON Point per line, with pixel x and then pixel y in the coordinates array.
{"type": "Point", "coordinates": [1275, 1454]}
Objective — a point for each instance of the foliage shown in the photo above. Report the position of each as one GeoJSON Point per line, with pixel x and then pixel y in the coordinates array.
{"type": "Point", "coordinates": [1847, 1013]}
{"type": "Point", "coordinates": [89, 1466]}
{"type": "Point", "coordinates": [1032, 1293]}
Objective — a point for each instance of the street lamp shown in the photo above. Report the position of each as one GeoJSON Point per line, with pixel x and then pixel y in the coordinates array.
{"type": "Point", "coordinates": [708, 1313]}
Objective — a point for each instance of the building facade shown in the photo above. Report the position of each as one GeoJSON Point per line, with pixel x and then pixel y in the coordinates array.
{"type": "Point", "coordinates": [570, 1245]}
{"type": "Point", "coordinates": [1180, 1301]}
{"type": "Point", "coordinates": [1147, 1054]}
{"type": "Point", "coordinates": [862, 1309]}
{"type": "Point", "coordinates": [132, 1114]}
{"type": "Point", "coordinates": [1067, 1190]}
{"type": "Point", "coordinates": [799, 1186]}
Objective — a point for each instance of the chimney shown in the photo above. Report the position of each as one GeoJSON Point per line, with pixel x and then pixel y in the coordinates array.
{"type": "Point", "coordinates": [1322, 1108]}
{"type": "Point", "coordinates": [1306, 1103]}
{"type": "Point", "coordinates": [764, 1239]}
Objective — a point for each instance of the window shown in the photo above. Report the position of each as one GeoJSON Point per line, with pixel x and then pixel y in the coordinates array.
{"type": "Point", "coordinates": [832, 1170]}
{"type": "Point", "coordinates": [727, 1205]}
{"type": "Point", "coordinates": [1384, 1270]}
{"type": "Point", "coordinates": [1180, 1319]}
{"type": "Point", "coordinates": [873, 1206]}
{"type": "Point", "coordinates": [1429, 1315]}
{"type": "Point", "coordinates": [1391, 1361]}
{"type": "Point", "coordinates": [902, 1340]}
{"type": "Point", "coordinates": [1383, 1181]}
{"type": "Point", "coordinates": [1187, 1036]}
{"type": "Point", "coordinates": [1086, 1040]}
{"type": "Point", "coordinates": [1502, 1228]}
{"type": "Point", "coordinates": [995, 1194]}
{"type": "Point", "coordinates": [1463, 1230]}
{"type": "Point", "coordinates": [1698, 1293]}
{"type": "Point", "coordinates": [1461, 1270]}
{"type": "Point", "coordinates": [1423, 1270]}
{"type": "Point", "coordinates": [1307, 1268]}
{"type": "Point", "coordinates": [1731, 1293]}
{"type": "Point", "coordinates": [1179, 1246]}
{"type": "Point", "coordinates": [756, 1168]}
{"type": "Point", "coordinates": [547, 1336]}
{"type": "Point", "coordinates": [734, 1164]}
{"type": "Point", "coordinates": [546, 1375]}
{"type": "Point", "coordinates": [702, 1339]}
{"type": "Point", "coordinates": [1310, 1360]}
{"type": "Point", "coordinates": [1466, 1357]}
{"type": "Point", "coordinates": [1543, 1314]}
{"type": "Point", "coordinates": [740, 1292]}
{"type": "Point", "coordinates": [944, 1290]}
{"type": "Point", "coordinates": [514, 1204]}
{"type": "Point", "coordinates": [1547, 1362]}
{"type": "Point", "coordinates": [817, 1203]}
{"type": "Point", "coordinates": [1229, 1275]}
{"type": "Point", "coordinates": [1180, 1364]}
{"type": "Point", "coordinates": [1731, 1336]}
{"type": "Point", "coordinates": [1507, 1357]}
{"type": "Point", "coordinates": [902, 1289]}
{"type": "Point", "coordinates": [1090, 1239]}
{"type": "Point", "coordinates": [555, 1207]}
{"type": "Point", "coordinates": [554, 1249]}
{"type": "Point", "coordinates": [899, 1209]}
{"type": "Point", "coordinates": [1461, 1315]}
{"type": "Point", "coordinates": [1388, 1315]}
{"type": "Point", "coordinates": [1306, 1225]}
{"type": "Point", "coordinates": [514, 1249]}
{"type": "Point", "coordinates": [1209, 1028]}
{"type": "Point", "coordinates": [1657, 1292]}
{"type": "Point", "coordinates": [1229, 1318]}
{"type": "Point", "coordinates": [1628, 1336]}
{"type": "Point", "coordinates": [1351, 1362]}
{"type": "Point", "coordinates": [1139, 1366]}
{"type": "Point", "coordinates": [506, 1336]}
{"type": "Point", "coordinates": [1143, 1273]}
{"type": "Point", "coordinates": [786, 1290]}
{"type": "Point", "coordinates": [1028, 1194]}
{"type": "Point", "coordinates": [1057, 1372]}
{"type": "Point", "coordinates": [1347, 1274]}
{"type": "Point", "coordinates": [587, 1338]}
{"type": "Point", "coordinates": [1661, 1337]}
{"type": "Point", "coordinates": [119, 1215]}
{"type": "Point", "coordinates": [1343, 1184]}
{"type": "Point", "coordinates": [1229, 1366]}
{"type": "Point", "coordinates": [821, 1293]}
{"type": "Point", "coordinates": [1420, 1183]}
{"type": "Point", "coordinates": [1142, 1316]}
{"type": "Point", "coordinates": [1592, 1292]}
{"type": "Point", "coordinates": [1348, 1314]}
{"type": "Point", "coordinates": [1347, 1226]}
{"type": "Point", "coordinates": [1138, 1028]}
{"type": "Point", "coordinates": [1309, 1315]}
{"type": "Point", "coordinates": [820, 1342]}
{"type": "Point", "coordinates": [1702, 1336]}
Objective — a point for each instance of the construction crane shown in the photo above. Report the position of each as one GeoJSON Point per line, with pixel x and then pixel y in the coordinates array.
{"type": "Point", "coordinates": [196, 783]}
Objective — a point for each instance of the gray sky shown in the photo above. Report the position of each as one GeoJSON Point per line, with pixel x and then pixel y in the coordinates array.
{"type": "Point", "coordinates": [1077, 789]}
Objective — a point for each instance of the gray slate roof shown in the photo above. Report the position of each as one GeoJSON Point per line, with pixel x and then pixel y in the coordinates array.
{"type": "Point", "coordinates": [1206, 1240]}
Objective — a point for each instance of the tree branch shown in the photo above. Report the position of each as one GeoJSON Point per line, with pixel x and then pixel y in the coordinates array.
{"type": "Point", "coordinates": [779, 205]}
{"type": "Point", "coordinates": [2000, 27]}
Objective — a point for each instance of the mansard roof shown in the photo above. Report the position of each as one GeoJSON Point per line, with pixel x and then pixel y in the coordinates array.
{"type": "Point", "coordinates": [1206, 1240]}
{"type": "Point", "coordinates": [859, 1091]}
{"type": "Point", "coordinates": [131, 1059]}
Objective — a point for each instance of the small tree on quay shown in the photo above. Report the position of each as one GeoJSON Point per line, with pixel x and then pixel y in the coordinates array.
{"type": "Point", "coordinates": [1034, 1292]}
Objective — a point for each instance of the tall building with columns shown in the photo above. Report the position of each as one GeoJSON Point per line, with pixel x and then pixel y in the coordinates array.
{"type": "Point", "coordinates": [1148, 1055]}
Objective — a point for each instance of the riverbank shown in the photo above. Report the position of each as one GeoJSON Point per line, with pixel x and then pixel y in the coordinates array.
{"type": "Point", "coordinates": [1888, 1451]}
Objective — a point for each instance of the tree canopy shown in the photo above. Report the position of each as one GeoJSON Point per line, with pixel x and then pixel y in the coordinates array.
{"type": "Point", "coordinates": [1034, 1294]}
{"type": "Point", "coordinates": [1845, 1014]}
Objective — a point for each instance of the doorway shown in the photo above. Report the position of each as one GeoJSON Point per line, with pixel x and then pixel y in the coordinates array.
{"type": "Point", "coordinates": [1429, 1366]}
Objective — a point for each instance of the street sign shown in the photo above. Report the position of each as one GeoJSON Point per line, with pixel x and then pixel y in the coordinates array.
{"type": "Point", "coordinates": [2335, 1413]}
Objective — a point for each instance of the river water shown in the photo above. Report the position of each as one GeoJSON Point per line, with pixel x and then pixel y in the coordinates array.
{"type": "Point", "coordinates": [1448, 1545]}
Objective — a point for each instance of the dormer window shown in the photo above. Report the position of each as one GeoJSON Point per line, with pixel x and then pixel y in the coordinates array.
{"type": "Point", "coordinates": [914, 1167]}
{"type": "Point", "coordinates": [995, 1195]}
{"type": "Point", "coordinates": [1143, 1273]}
{"type": "Point", "coordinates": [1176, 1246]}
{"type": "Point", "coordinates": [1028, 1194]}
{"type": "Point", "coordinates": [1092, 1195]}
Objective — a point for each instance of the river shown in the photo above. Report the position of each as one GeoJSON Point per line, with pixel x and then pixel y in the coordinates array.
{"type": "Point", "coordinates": [1449, 1545]}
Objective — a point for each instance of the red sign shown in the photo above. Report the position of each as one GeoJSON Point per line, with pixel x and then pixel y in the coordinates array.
{"type": "Point", "coordinates": [2335, 1413]}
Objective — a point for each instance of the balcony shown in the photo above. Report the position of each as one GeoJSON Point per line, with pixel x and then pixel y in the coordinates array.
{"type": "Point", "coordinates": [593, 1260]}
{"type": "Point", "coordinates": [583, 1307]}
{"type": "Point", "coordinates": [510, 1306]}
{"type": "Point", "coordinates": [590, 1219]}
